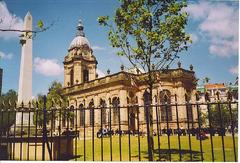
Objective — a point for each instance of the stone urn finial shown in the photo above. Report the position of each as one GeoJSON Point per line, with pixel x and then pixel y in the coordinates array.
{"type": "Point", "coordinates": [191, 67]}
{"type": "Point", "coordinates": [179, 64]}
{"type": "Point", "coordinates": [138, 71]}
{"type": "Point", "coordinates": [153, 66]}
{"type": "Point", "coordinates": [122, 67]}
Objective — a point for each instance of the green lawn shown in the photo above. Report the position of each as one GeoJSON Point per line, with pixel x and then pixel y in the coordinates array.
{"type": "Point", "coordinates": [196, 153]}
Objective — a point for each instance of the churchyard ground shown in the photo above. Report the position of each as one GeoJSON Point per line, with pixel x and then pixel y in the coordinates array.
{"type": "Point", "coordinates": [174, 148]}
{"type": "Point", "coordinates": [196, 154]}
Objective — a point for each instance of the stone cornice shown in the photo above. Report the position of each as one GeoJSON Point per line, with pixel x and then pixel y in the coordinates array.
{"type": "Point", "coordinates": [124, 78]}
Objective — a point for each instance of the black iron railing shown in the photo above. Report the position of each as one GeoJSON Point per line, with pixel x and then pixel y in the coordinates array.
{"type": "Point", "coordinates": [195, 131]}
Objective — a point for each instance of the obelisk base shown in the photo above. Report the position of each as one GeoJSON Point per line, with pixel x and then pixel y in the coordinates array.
{"type": "Point", "coordinates": [24, 123]}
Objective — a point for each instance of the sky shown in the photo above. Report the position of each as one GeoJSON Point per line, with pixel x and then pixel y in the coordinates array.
{"type": "Point", "coordinates": [212, 25]}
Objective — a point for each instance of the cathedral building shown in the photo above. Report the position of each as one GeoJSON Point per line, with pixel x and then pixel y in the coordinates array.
{"type": "Point", "coordinates": [114, 93]}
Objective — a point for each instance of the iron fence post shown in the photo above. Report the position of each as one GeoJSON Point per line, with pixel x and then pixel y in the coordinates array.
{"type": "Point", "coordinates": [44, 127]}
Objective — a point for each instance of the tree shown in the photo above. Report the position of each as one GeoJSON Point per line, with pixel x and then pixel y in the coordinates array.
{"type": "Point", "coordinates": [206, 80]}
{"type": "Point", "coordinates": [7, 117]}
{"type": "Point", "coordinates": [56, 93]}
{"type": "Point", "coordinates": [225, 119]}
{"type": "Point", "coordinates": [56, 99]}
{"type": "Point", "coordinates": [150, 33]}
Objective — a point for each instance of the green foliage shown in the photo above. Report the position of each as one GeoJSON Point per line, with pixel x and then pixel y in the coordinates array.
{"type": "Point", "coordinates": [216, 121]}
{"type": "Point", "coordinates": [7, 115]}
{"type": "Point", "coordinates": [9, 98]}
{"type": "Point", "coordinates": [55, 99]}
{"type": "Point", "coordinates": [55, 94]}
{"type": "Point", "coordinates": [206, 80]}
{"type": "Point", "coordinates": [40, 24]}
{"type": "Point", "coordinates": [149, 32]}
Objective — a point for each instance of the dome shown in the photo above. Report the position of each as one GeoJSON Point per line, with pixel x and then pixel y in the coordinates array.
{"type": "Point", "coordinates": [79, 41]}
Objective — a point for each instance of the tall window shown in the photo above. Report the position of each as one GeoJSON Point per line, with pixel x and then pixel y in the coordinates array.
{"type": "Point", "coordinates": [166, 110]}
{"type": "Point", "coordinates": [115, 103]}
{"type": "Point", "coordinates": [85, 76]}
{"type": "Point", "coordinates": [91, 111]}
{"type": "Point", "coordinates": [189, 108]}
{"type": "Point", "coordinates": [81, 115]}
{"type": "Point", "coordinates": [103, 111]}
{"type": "Point", "coordinates": [71, 116]}
{"type": "Point", "coordinates": [71, 77]}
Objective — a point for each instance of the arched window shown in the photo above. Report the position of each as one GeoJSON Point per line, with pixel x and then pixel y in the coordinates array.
{"type": "Point", "coordinates": [91, 111]}
{"type": "Point", "coordinates": [82, 120]}
{"type": "Point", "coordinates": [71, 116]}
{"type": "Point", "coordinates": [189, 108]}
{"type": "Point", "coordinates": [71, 77]}
{"type": "Point", "coordinates": [103, 111]}
{"type": "Point", "coordinates": [166, 109]}
{"type": "Point", "coordinates": [116, 107]}
{"type": "Point", "coordinates": [85, 75]}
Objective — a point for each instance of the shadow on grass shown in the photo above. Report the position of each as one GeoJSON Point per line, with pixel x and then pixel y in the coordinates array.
{"type": "Point", "coordinates": [165, 155]}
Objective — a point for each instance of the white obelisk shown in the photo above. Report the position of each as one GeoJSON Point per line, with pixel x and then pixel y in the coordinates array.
{"type": "Point", "coordinates": [25, 78]}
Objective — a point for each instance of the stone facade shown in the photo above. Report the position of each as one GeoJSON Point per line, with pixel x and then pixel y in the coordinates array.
{"type": "Point", "coordinates": [114, 93]}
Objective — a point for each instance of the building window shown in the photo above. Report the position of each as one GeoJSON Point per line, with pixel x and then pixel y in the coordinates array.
{"type": "Point", "coordinates": [85, 76]}
{"type": "Point", "coordinates": [82, 120]}
{"type": "Point", "coordinates": [71, 77]}
{"type": "Point", "coordinates": [189, 108]}
{"type": "Point", "coordinates": [103, 111]}
{"type": "Point", "coordinates": [91, 111]}
{"type": "Point", "coordinates": [166, 109]}
{"type": "Point", "coordinates": [116, 107]}
{"type": "Point", "coordinates": [71, 116]}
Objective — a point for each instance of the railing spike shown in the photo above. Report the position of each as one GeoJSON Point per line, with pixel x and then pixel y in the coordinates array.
{"type": "Point", "coordinates": [218, 95]}
{"type": "Point", "coordinates": [207, 97]}
{"type": "Point", "coordinates": [197, 96]}
{"type": "Point", "coordinates": [76, 103]}
{"type": "Point", "coordinates": [60, 102]}
{"type": "Point", "coordinates": [3, 103]}
{"type": "Point", "coordinates": [175, 97]}
{"type": "Point", "coordinates": [29, 104]}
{"type": "Point", "coordinates": [15, 104]}
{"type": "Point", "coordinates": [9, 102]}
{"type": "Point", "coordinates": [53, 102]}
{"type": "Point", "coordinates": [37, 104]}
{"type": "Point", "coordinates": [229, 96]}
{"type": "Point", "coordinates": [110, 102]}
{"type": "Point", "coordinates": [22, 104]}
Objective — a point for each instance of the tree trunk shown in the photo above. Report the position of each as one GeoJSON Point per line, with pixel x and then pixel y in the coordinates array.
{"type": "Point", "coordinates": [151, 123]}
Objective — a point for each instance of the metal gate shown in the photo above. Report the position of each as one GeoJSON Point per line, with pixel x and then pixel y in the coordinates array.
{"type": "Point", "coordinates": [110, 132]}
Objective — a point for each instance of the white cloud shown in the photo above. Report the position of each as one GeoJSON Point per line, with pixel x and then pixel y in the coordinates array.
{"type": "Point", "coordinates": [5, 56]}
{"type": "Point", "coordinates": [9, 21]}
{"type": "Point", "coordinates": [219, 22]}
{"type": "Point", "coordinates": [194, 37]}
{"type": "Point", "coordinates": [97, 48]}
{"type": "Point", "coordinates": [198, 11]}
{"type": "Point", "coordinates": [234, 70]}
{"type": "Point", "coordinates": [100, 73]}
{"type": "Point", "coordinates": [47, 67]}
